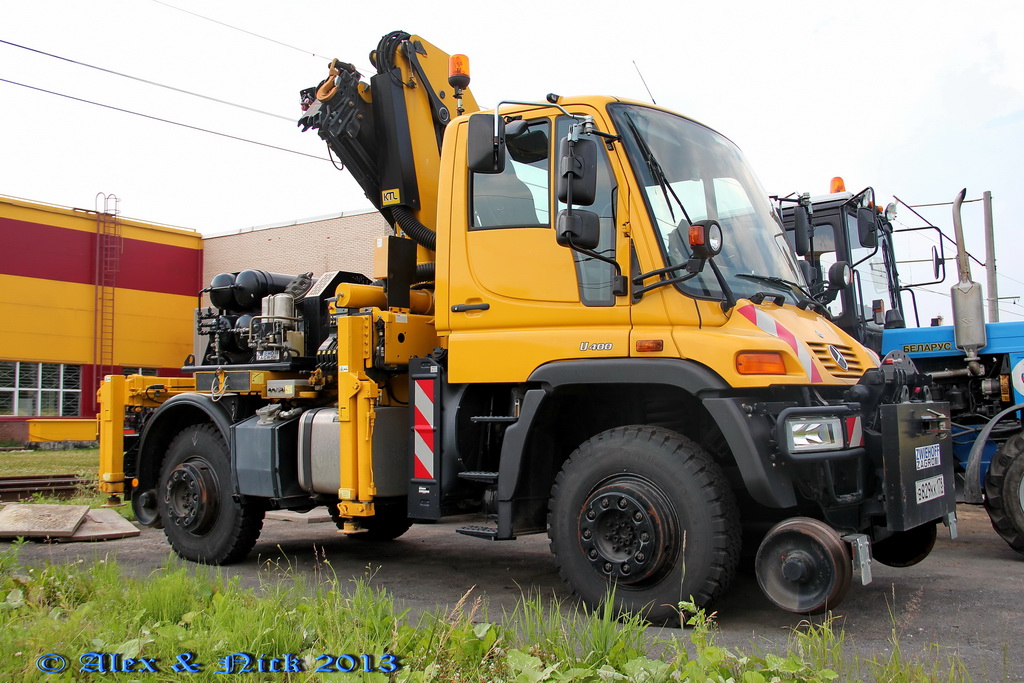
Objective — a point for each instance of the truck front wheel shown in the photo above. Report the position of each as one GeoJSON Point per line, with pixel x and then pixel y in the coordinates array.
{"type": "Point", "coordinates": [202, 520]}
{"type": "Point", "coordinates": [1004, 492]}
{"type": "Point", "coordinates": [646, 513]}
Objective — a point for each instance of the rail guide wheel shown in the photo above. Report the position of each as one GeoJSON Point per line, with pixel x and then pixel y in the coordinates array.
{"type": "Point", "coordinates": [803, 566]}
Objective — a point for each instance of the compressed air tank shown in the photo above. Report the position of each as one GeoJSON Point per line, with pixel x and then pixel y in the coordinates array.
{"type": "Point", "coordinates": [251, 286]}
{"type": "Point", "coordinates": [222, 291]}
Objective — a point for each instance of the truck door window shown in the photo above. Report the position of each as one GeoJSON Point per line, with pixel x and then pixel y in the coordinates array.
{"type": "Point", "coordinates": [595, 277]}
{"type": "Point", "coordinates": [823, 243]}
{"type": "Point", "coordinates": [519, 197]}
{"type": "Point", "coordinates": [870, 273]}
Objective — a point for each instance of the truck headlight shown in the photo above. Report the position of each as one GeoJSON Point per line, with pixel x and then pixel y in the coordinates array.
{"type": "Point", "coordinates": [814, 434]}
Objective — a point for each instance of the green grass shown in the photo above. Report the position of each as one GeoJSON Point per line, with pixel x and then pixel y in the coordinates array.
{"type": "Point", "coordinates": [82, 607]}
{"type": "Point", "coordinates": [85, 461]}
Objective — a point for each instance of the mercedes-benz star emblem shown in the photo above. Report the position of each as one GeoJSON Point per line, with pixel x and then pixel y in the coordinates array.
{"type": "Point", "coordinates": [837, 356]}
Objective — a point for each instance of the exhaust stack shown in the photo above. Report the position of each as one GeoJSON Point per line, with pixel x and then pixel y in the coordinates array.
{"type": "Point", "coordinates": [968, 300]}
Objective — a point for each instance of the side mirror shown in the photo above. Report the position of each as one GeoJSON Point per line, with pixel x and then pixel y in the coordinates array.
{"type": "Point", "coordinates": [801, 231]}
{"type": "Point", "coordinates": [581, 228]}
{"type": "Point", "coordinates": [936, 264]}
{"type": "Point", "coordinates": [486, 150]}
{"type": "Point", "coordinates": [866, 227]}
{"type": "Point", "coordinates": [840, 275]}
{"type": "Point", "coordinates": [577, 172]}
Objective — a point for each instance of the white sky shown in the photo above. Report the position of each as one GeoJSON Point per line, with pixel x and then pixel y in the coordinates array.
{"type": "Point", "coordinates": [916, 98]}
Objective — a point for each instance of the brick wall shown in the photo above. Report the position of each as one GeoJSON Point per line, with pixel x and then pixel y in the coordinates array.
{"type": "Point", "coordinates": [343, 242]}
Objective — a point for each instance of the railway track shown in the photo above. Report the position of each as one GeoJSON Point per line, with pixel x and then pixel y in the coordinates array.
{"type": "Point", "coordinates": [23, 487]}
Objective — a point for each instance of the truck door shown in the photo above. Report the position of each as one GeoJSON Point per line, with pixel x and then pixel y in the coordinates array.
{"type": "Point", "coordinates": [517, 299]}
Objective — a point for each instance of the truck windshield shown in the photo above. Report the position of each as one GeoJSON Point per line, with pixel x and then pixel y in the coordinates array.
{"type": "Point", "coordinates": [689, 173]}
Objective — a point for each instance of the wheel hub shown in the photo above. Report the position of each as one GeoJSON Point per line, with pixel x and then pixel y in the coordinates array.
{"type": "Point", "coordinates": [627, 531]}
{"type": "Point", "coordinates": [191, 496]}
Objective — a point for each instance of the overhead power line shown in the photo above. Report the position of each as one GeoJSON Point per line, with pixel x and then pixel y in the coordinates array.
{"type": "Point", "coordinates": [147, 81]}
{"type": "Point", "coordinates": [949, 296]}
{"type": "Point", "coordinates": [241, 30]}
{"type": "Point", "coordinates": [157, 118]}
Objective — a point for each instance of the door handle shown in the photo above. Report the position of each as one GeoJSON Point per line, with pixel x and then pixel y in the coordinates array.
{"type": "Point", "coordinates": [462, 308]}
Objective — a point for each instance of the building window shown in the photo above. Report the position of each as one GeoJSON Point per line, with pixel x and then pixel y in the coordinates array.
{"type": "Point", "coordinates": [147, 372]}
{"type": "Point", "coordinates": [40, 389]}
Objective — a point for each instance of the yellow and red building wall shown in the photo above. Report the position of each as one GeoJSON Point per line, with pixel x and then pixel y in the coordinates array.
{"type": "Point", "coordinates": [50, 266]}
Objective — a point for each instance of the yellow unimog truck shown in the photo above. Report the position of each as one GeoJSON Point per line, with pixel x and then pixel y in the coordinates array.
{"type": "Point", "coordinates": [588, 323]}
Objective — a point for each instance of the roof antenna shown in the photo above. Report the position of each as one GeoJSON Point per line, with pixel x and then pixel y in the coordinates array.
{"type": "Point", "coordinates": [643, 81]}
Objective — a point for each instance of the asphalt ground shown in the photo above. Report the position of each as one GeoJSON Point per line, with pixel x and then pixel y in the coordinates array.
{"type": "Point", "coordinates": [966, 598]}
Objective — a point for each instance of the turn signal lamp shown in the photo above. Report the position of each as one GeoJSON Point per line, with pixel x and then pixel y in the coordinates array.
{"type": "Point", "coordinates": [838, 185]}
{"type": "Point", "coordinates": [650, 345]}
{"type": "Point", "coordinates": [458, 71]}
{"type": "Point", "coordinates": [760, 363]}
{"type": "Point", "coordinates": [705, 238]}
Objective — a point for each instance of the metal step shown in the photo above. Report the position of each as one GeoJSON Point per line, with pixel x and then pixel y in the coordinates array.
{"type": "Point", "coordinates": [479, 531]}
{"type": "Point", "coordinates": [485, 477]}
{"type": "Point", "coordinates": [495, 419]}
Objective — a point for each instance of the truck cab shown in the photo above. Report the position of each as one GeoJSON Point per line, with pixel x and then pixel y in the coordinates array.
{"type": "Point", "coordinates": [846, 227]}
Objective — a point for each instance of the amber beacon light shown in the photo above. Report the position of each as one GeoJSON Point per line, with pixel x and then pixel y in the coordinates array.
{"type": "Point", "coordinates": [458, 71]}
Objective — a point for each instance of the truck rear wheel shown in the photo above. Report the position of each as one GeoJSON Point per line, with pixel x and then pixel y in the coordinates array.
{"type": "Point", "coordinates": [202, 520]}
{"type": "Point", "coordinates": [1004, 492]}
{"type": "Point", "coordinates": [647, 513]}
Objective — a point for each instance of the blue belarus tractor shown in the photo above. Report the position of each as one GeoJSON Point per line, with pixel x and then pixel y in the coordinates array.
{"type": "Point", "coordinates": [846, 247]}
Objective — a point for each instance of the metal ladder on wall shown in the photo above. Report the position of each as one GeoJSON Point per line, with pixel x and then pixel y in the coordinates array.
{"type": "Point", "coordinates": [109, 246]}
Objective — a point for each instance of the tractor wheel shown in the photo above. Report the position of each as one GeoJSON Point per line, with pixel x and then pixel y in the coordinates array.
{"type": "Point", "coordinates": [387, 524]}
{"type": "Point", "coordinates": [905, 548]}
{"type": "Point", "coordinates": [647, 515]}
{"type": "Point", "coordinates": [202, 520]}
{"type": "Point", "coordinates": [1004, 492]}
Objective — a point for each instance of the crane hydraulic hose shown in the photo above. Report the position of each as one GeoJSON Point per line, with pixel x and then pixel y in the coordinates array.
{"type": "Point", "coordinates": [419, 233]}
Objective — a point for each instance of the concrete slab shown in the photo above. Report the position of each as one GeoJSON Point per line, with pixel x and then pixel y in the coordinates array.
{"type": "Point", "coordinates": [313, 516]}
{"type": "Point", "coordinates": [41, 521]}
{"type": "Point", "coordinates": [103, 524]}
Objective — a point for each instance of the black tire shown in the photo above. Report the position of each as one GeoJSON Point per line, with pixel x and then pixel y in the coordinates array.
{"type": "Point", "coordinates": [625, 500]}
{"type": "Point", "coordinates": [202, 520]}
{"type": "Point", "coordinates": [387, 524]}
{"type": "Point", "coordinates": [1004, 492]}
{"type": "Point", "coordinates": [906, 548]}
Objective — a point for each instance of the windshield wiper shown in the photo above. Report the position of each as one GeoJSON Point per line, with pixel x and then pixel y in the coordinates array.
{"type": "Point", "coordinates": [666, 188]}
{"type": "Point", "coordinates": [804, 300]}
{"type": "Point", "coordinates": [657, 171]}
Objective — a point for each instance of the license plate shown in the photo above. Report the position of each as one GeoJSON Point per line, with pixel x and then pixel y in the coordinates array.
{"type": "Point", "coordinates": [930, 489]}
{"type": "Point", "coordinates": [927, 456]}
{"type": "Point", "coordinates": [274, 355]}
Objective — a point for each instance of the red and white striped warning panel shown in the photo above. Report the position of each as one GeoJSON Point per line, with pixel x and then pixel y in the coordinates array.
{"type": "Point", "coordinates": [854, 431]}
{"type": "Point", "coordinates": [424, 429]}
{"type": "Point", "coordinates": [773, 327]}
